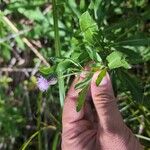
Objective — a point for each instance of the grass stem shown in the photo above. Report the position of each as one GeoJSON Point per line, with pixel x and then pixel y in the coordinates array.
{"type": "Point", "coordinates": [58, 52]}
{"type": "Point", "coordinates": [39, 104]}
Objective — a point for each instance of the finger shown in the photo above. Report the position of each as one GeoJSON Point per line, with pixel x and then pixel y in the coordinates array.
{"type": "Point", "coordinates": [70, 115]}
{"type": "Point", "coordinates": [77, 131]}
{"type": "Point", "coordinates": [113, 133]}
{"type": "Point", "coordinates": [105, 103]}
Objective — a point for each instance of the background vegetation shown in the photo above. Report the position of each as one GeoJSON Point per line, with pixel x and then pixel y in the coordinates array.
{"type": "Point", "coordinates": [31, 119]}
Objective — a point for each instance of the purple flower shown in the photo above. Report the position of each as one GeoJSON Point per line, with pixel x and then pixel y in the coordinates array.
{"type": "Point", "coordinates": [43, 84]}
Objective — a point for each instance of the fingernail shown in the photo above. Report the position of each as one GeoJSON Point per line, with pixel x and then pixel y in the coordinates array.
{"type": "Point", "coordinates": [104, 81]}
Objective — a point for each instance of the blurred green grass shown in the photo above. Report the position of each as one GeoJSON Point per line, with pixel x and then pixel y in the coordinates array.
{"type": "Point", "coordinates": [123, 23]}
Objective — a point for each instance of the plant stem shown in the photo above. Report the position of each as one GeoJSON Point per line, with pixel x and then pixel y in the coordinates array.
{"type": "Point", "coordinates": [39, 104]}
{"type": "Point", "coordinates": [27, 142]}
{"type": "Point", "coordinates": [27, 103]}
{"type": "Point", "coordinates": [55, 141]}
{"type": "Point", "coordinates": [56, 29]}
{"type": "Point", "coordinates": [45, 121]}
{"type": "Point", "coordinates": [58, 52]}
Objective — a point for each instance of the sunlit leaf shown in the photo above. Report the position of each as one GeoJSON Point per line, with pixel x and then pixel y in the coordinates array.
{"type": "Point", "coordinates": [117, 59]}
{"type": "Point", "coordinates": [88, 27]}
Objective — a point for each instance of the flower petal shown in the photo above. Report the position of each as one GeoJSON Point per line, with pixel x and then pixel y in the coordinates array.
{"type": "Point", "coordinates": [42, 84]}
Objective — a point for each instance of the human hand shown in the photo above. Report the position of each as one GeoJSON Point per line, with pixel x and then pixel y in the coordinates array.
{"type": "Point", "coordinates": [102, 129]}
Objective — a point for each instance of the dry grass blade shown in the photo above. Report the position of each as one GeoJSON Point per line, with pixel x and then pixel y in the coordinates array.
{"type": "Point", "coordinates": [26, 41]}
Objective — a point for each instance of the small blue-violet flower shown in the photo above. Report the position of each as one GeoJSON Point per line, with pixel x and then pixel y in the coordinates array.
{"type": "Point", "coordinates": [43, 84]}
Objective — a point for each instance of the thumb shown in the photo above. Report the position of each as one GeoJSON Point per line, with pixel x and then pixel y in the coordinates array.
{"type": "Point", "coordinates": [114, 134]}
{"type": "Point", "coordinates": [105, 103]}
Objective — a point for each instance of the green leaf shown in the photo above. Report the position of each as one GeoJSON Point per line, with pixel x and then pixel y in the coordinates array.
{"type": "Point", "coordinates": [146, 101]}
{"type": "Point", "coordinates": [88, 27]}
{"type": "Point", "coordinates": [65, 64]}
{"type": "Point", "coordinates": [47, 70]}
{"type": "Point", "coordinates": [74, 63]}
{"type": "Point", "coordinates": [131, 84]}
{"type": "Point", "coordinates": [122, 23]}
{"type": "Point", "coordinates": [145, 53]}
{"type": "Point", "coordinates": [34, 14]}
{"type": "Point", "coordinates": [84, 82]}
{"type": "Point", "coordinates": [5, 79]}
{"type": "Point", "coordinates": [20, 42]}
{"type": "Point", "coordinates": [5, 52]}
{"type": "Point", "coordinates": [24, 146]}
{"type": "Point", "coordinates": [117, 59]}
{"type": "Point", "coordinates": [134, 42]}
{"type": "Point", "coordinates": [55, 141]}
{"type": "Point", "coordinates": [94, 55]}
{"type": "Point", "coordinates": [134, 57]}
{"type": "Point", "coordinates": [101, 76]}
{"type": "Point", "coordinates": [81, 98]}
{"type": "Point", "coordinates": [28, 141]}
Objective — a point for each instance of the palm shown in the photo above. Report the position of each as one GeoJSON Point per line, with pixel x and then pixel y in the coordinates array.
{"type": "Point", "coordinates": [82, 134]}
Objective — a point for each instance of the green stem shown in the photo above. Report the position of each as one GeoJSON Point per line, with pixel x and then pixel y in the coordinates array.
{"type": "Point", "coordinates": [45, 121]}
{"type": "Point", "coordinates": [58, 52]}
{"type": "Point", "coordinates": [39, 120]}
{"type": "Point", "coordinates": [26, 144]}
{"type": "Point", "coordinates": [56, 29]}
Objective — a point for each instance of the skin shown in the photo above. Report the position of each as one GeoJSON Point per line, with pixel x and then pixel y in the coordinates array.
{"type": "Point", "coordinates": [98, 126]}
